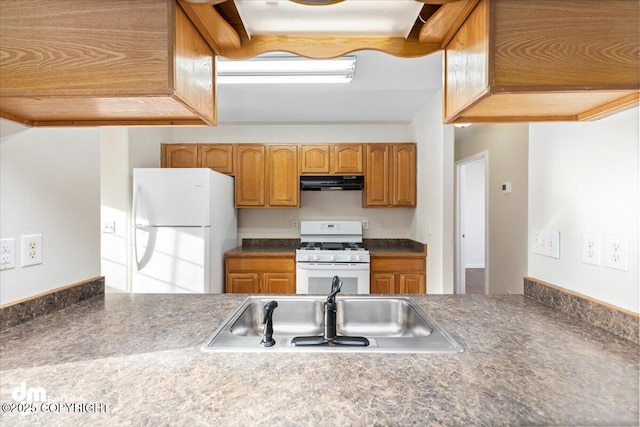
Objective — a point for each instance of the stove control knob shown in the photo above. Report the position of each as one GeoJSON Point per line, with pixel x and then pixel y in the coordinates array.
{"type": "Point", "coordinates": [312, 257]}
{"type": "Point", "coordinates": [332, 257]}
{"type": "Point", "coordinates": [356, 258]}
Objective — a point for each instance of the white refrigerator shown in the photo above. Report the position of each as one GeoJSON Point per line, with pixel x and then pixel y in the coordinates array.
{"type": "Point", "coordinates": [184, 221]}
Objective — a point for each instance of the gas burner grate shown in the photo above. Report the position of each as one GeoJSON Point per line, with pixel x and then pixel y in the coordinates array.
{"type": "Point", "coordinates": [332, 246]}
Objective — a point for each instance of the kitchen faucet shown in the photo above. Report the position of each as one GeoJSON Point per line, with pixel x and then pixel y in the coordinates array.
{"type": "Point", "coordinates": [331, 310]}
{"type": "Point", "coordinates": [330, 336]}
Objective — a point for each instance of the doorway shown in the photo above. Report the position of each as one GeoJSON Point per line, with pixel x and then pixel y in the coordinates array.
{"type": "Point", "coordinates": [471, 224]}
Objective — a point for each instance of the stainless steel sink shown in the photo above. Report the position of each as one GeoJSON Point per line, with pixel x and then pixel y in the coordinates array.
{"type": "Point", "coordinates": [391, 324]}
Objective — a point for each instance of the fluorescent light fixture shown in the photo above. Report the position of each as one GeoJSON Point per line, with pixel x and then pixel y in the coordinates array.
{"type": "Point", "coordinates": [286, 70]}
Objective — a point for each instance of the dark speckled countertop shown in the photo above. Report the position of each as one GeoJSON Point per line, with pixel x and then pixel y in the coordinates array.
{"type": "Point", "coordinates": [137, 360]}
{"type": "Point", "coordinates": [288, 246]}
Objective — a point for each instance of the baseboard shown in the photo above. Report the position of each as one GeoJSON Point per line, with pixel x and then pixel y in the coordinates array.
{"type": "Point", "coordinates": [618, 321]}
{"type": "Point", "coordinates": [27, 309]}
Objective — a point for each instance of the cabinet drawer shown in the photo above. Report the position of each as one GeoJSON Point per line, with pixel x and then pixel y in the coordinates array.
{"type": "Point", "coordinates": [398, 265]}
{"type": "Point", "coordinates": [260, 264]}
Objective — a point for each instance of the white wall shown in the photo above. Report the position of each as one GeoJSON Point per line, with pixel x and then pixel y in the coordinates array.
{"type": "Point", "coordinates": [474, 214]}
{"type": "Point", "coordinates": [114, 207]}
{"type": "Point", "coordinates": [584, 179]}
{"type": "Point", "coordinates": [50, 185]}
{"type": "Point", "coordinates": [507, 161]}
{"type": "Point", "coordinates": [314, 205]}
{"type": "Point", "coordinates": [433, 220]}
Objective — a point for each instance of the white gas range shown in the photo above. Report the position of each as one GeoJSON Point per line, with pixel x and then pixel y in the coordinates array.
{"type": "Point", "coordinates": [331, 248]}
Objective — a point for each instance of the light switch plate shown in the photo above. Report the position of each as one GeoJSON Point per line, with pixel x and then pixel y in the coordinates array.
{"type": "Point", "coordinates": [546, 242]}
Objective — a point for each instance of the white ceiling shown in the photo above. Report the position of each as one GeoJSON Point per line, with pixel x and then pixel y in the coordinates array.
{"type": "Point", "coordinates": [385, 89]}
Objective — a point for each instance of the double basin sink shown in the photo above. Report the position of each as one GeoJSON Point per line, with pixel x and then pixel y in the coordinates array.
{"type": "Point", "coordinates": [390, 325]}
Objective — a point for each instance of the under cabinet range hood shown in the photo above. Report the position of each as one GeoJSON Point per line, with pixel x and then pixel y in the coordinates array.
{"type": "Point", "coordinates": [331, 183]}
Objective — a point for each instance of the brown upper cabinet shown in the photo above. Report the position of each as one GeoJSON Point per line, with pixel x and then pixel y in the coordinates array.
{"type": "Point", "coordinates": [218, 157]}
{"type": "Point", "coordinates": [87, 63]}
{"type": "Point", "coordinates": [179, 156]}
{"type": "Point", "coordinates": [266, 176]}
{"type": "Point", "coordinates": [390, 178]}
{"type": "Point", "coordinates": [250, 175]}
{"type": "Point", "coordinates": [331, 159]}
{"type": "Point", "coordinates": [282, 172]}
{"type": "Point", "coordinates": [526, 61]}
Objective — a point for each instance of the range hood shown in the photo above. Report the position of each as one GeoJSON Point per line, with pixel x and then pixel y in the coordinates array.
{"type": "Point", "coordinates": [331, 183]}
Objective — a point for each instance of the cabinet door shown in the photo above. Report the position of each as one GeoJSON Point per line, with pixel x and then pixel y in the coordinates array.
{"type": "Point", "coordinates": [279, 283]}
{"type": "Point", "coordinates": [179, 156]}
{"type": "Point", "coordinates": [283, 181]}
{"type": "Point", "coordinates": [243, 283]}
{"type": "Point", "coordinates": [403, 186]}
{"type": "Point", "coordinates": [383, 283]}
{"type": "Point", "coordinates": [250, 175]}
{"type": "Point", "coordinates": [376, 180]}
{"type": "Point", "coordinates": [347, 159]}
{"type": "Point", "coordinates": [411, 283]}
{"type": "Point", "coordinates": [314, 159]}
{"type": "Point", "coordinates": [218, 157]}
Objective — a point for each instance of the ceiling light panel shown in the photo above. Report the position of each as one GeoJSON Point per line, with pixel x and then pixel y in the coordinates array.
{"type": "Point", "coordinates": [285, 69]}
{"type": "Point", "coordinates": [350, 18]}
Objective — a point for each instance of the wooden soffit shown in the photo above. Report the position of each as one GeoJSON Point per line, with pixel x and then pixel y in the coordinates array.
{"type": "Point", "coordinates": [221, 25]}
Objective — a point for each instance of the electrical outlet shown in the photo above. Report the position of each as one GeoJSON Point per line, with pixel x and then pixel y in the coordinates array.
{"type": "Point", "coordinates": [546, 242]}
{"type": "Point", "coordinates": [295, 224]}
{"type": "Point", "coordinates": [31, 250]}
{"type": "Point", "coordinates": [617, 252]}
{"type": "Point", "coordinates": [7, 253]}
{"type": "Point", "coordinates": [591, 248]}
{"type": "Point", "coordinates": [365, 224]}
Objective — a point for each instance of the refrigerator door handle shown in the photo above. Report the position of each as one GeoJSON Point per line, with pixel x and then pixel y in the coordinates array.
{"type": "Point", "coordinates": [151, 242]}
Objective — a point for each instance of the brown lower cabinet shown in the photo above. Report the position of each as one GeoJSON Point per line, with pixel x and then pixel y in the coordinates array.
{"type": "Point", "coordinates": [397, 275]}
{"type": "Point", "coordinates": [260, 274]}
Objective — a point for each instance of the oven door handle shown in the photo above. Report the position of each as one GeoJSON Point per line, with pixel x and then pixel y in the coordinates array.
{"type": "Point", "coordinates": [331, 266]}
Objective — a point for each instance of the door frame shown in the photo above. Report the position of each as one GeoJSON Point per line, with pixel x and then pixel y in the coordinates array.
{"type": "Point", "coordinates": [460, 280]}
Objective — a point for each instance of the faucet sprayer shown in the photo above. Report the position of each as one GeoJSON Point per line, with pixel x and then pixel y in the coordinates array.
{"type": "Point", "coordinates": [267, 334]}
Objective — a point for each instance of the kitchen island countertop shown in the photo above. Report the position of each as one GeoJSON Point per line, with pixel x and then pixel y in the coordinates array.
{"type": "Point", "coordinates": [137, 360]}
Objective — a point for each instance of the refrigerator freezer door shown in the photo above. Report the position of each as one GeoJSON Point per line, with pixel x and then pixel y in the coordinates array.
{"type": "Point", "coordinates": [169, 197]}
{"type": "Point", "coordinates": [171, 260]}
